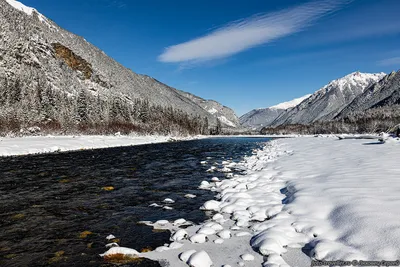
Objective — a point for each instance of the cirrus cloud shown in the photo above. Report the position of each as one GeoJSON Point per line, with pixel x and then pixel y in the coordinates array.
{"type": "Point", "coordinates": [389, 61]}
{"type": "Point", "coordinates": [244, 34]}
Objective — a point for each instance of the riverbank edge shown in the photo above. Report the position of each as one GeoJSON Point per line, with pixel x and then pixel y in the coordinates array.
{"type": "Point", "coordinates": [33, 145]}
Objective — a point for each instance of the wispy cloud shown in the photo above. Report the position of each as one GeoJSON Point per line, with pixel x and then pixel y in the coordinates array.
{"type": "Point", "coordinates": [389, 61]}
{"type": "Point", "coordinates": [117, 3]}
{"type": "Point", "coordinates": [244, 34]}
{"type": "Point", "coordinates": [355, 25]}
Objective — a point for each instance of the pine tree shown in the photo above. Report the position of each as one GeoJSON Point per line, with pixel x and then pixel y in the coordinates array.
{"type": "Point", "coordinates": [218, 129]}
{"type": "Point", "coordinates": [82, 107]}
{"type": "Point", "coordinates": [205, 130]}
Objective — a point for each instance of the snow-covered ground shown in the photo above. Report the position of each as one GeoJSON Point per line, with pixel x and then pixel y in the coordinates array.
{"type": "Point", "coordinates": [302, 198]}
{"type": "Point", "coordinates": [45, 144]}
{"type": "Point", "coordinates": [10, 146]}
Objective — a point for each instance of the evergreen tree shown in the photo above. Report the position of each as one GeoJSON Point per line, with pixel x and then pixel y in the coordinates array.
{"type": "Point", "coordinates": [82, 106]}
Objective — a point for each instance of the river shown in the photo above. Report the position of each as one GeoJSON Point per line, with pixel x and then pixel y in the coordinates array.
{"type": "Point", "coordinates": [57, 209]}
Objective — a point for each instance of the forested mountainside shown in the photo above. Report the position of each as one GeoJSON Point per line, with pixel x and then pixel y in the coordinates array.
{"type": "Point", "coordinates": [56, 80]}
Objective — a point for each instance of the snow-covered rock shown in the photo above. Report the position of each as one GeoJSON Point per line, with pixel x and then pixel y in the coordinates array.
{"type": "Point", "coordinates": [120, 250]}
{"type": "Point", "coordinates": [184, 256]}
{"type": "Point", "coordinates": [247, 257]}
{"type": "Point", "coordinates": [179, 222]}
{"type": "Point", "coordinates": [109, 237]}
{"type": "Point", "coordinates": [206, 231]}
{"type": "Point", "coordinates": [198, 238]}
{"type": "Point", "coordinates": [211, 205]}
{"type": "Point", "coordinates": [180, 235]}
{"type": "Point", "coordinates": [168, 201]}
{"type": "Point", "coordinates": [225, 234]}
{"type": "Point", "coordinates": [200, 259]}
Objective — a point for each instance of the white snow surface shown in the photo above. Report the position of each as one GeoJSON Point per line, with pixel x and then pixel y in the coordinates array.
{"type": "Point", "coordinates": [290, 104]}
{"type": "Point", "coordinates": [46, 144]}
{"type": "Point", "coordinates": [212, 110]}
{"type": "Point", "coordinates": [18, 5]}
{"type": "Point", "coordinates": [359, 79]}
{"type": "Point", "coordinates": [223, 119]}
{"type": "Point", "coordinates": [120, 250]}
{"type": "Point", "coordinates": [337, 198]}
{"type": "Point", "coordinates": [28, 10]}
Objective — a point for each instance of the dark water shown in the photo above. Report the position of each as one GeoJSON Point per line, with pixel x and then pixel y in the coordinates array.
{"type": "Point", "coordinates": [47, 202]}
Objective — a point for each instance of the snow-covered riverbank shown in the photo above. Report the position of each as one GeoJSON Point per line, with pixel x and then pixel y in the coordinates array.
{"type": "Point", "coordinates": [47, 144]}
{"type": "Point", "coordinates": [301, 199]}
{"type": "Point", "coordinates": [10, 146]}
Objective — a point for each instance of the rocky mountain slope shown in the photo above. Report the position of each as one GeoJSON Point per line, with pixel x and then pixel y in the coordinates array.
{"type": "Point", "coordinates": [328, 101]}
{"type": "Point", "coordinates": [258, 118]}
{"type": "Point", "coordinates": [225, 114]}
{"type": "Point", "coordinates": [384, 93]}
{"type": "Point", "coordinates": [39, 62]}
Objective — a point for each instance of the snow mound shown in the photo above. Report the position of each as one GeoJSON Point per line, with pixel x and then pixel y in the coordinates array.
{"type": "Point", "coordinates": [120, 250]}
{"type": "Point", "coordinates": [200, 259]}
{"type": "Point", "coordinates": [184, 256]}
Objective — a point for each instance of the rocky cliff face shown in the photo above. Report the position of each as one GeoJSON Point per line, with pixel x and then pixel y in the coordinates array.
{"type": "Point", "coordinates": [37, 55]}
{"type": "Point", "coordinates": [327, 102]}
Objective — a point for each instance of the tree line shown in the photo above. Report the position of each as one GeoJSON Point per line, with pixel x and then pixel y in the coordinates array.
{"type": "Point", "coordinates": [375, 120]}
{"type": "Point", "coordinates": [37, 104]}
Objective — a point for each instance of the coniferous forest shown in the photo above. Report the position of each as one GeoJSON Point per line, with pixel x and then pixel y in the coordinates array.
{"type": "Point", "coordinates": [27, 110]}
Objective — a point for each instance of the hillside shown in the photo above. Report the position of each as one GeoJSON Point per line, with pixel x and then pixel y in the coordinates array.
{"type": "Point", "coordinates": [258, 118]}
{"type": "Point", "coordinates": [225, 114]}
{"type": "Point", "coordinates": [53, 78]}
{"type": "Point", "coordinates": [327, 102]}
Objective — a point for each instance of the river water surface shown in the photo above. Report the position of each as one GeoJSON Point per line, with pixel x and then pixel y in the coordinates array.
{"type": "Point", "coordinates": [57, 209]}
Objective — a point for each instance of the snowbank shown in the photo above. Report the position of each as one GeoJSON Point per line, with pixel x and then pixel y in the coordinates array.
{"type": "Point", "coordinates": [46, 144]}
{"type": "Point", "coordinates": [301, 199]}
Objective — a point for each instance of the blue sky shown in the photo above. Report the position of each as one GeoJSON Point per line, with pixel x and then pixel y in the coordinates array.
{"type": "Point", "coordinates": [245, 54]}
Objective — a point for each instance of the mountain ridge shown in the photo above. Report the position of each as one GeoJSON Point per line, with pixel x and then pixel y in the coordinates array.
{"type": "Point", "coordinates": [258, 118]}
{"type": "Point", "coordinates": [386, 92]}
{"type": "Point", "coordinates": [225, 114]}
{"type": "Point", "coordinates": [35, 50]}
{"type": "Point", "coordinates": [329, 100]}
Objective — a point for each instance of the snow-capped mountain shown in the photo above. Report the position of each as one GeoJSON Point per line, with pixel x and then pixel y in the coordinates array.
{"type": "Point", "coordinates": [258, 118]}
{"type": "Point", "coordinates": [386, 92]}
{"type": "Point", "coordinates": [225, 114]}
{"type": "Point", "coordinates": [36, 55]}
{"type": "Point", "coordinates": [290, 104]}
{"type": "Point", "coordinates": [328, 101]}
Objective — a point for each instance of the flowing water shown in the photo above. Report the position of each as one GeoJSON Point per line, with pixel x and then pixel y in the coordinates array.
{"type": "Point", "coordinates": [57, 209]}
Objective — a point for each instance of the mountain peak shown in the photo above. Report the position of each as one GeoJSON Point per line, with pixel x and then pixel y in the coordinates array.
{"type": "Point", "coordinates": [290, 104]}
{"type": "Point", "coordinates": [29, 11]}
{"type": "Point", "coordinates": [21, 7]}
{"type": "Point", "coordinates": [354, 79]}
